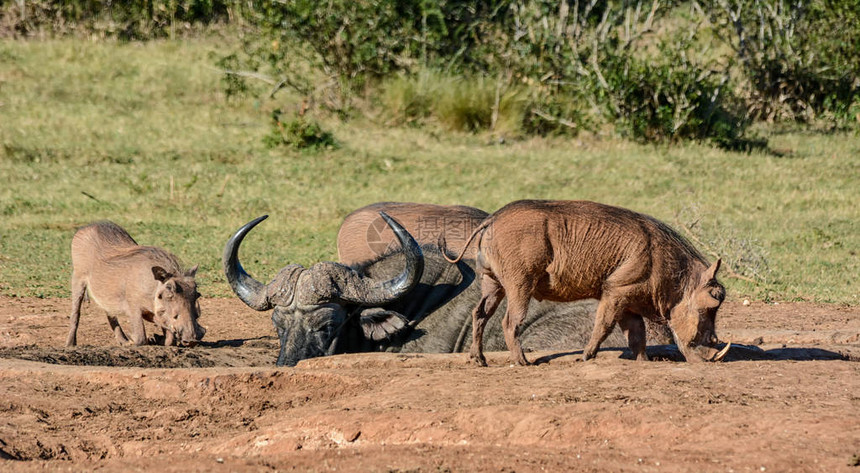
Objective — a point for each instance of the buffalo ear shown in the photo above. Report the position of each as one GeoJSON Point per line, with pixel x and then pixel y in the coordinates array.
{"type": "Point", "coordinates": [710, 274]}
{"type": "Point", "coordinates": [192, 272]}
{"type": "Point", "coordinates": [160, 273]}
{"type": "Point", "coordinates": [380, 324]}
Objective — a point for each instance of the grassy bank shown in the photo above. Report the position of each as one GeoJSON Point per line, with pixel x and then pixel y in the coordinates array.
{"type": "Point", "coordinates": [141, 134]}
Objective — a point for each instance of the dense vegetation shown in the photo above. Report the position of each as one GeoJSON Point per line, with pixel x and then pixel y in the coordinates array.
{"type": "Point", "coordinates": [659, 70]}
{"type": "Point", "coordinates": [307, 110]}
{"type": "Point", "coordinates": [141, 133]}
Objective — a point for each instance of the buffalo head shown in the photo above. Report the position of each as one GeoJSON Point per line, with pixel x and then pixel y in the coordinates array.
{"type": "Point", "coordinates": [315, 307]}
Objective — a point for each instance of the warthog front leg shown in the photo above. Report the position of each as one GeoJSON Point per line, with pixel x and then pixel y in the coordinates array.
{"type": "Point", "coordinates": [138, 331]}
{"type": "Point", "coordinates": [633, 327]}
{"type": "Point", "coordinates": [117, 330]}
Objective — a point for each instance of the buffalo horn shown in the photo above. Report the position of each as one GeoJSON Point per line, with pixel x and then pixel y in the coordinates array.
{"type": "Point", "coordinates": [368, 292]}
{"type": "Point", "coordinates": [249, 290]}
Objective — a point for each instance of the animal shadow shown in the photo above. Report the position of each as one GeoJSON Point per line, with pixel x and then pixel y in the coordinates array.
{"type": "Point", "coordinates": [264, 341]}
{"type": "Point", "coordinates": [736, 353]}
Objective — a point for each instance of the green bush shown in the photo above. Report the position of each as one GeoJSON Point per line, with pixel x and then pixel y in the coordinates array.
{"type": "Point", "coordinates": [479, 104]}
{"type": "Point", "coordinates": [298, 132]}
{"type": "Point", "coordinates": [548, 66]}
{"type": "Point", "coordinates": [350, 41]}
{"type": "Point", "coordinates": [535, 66]}
{"type": "Point", "coordinates": [606, 64]}
{"type": "Point", "coordinates": [798, 58]}
{"type": "Point", "coordinates": [669, 97]}
{"type": "Point", "coordinates": [129, 19]}
{"type": "Point", "coordinates": [408, 99]}
{"type": "Point", "coordinates": [233, 84]}
{"type": "Point", "coordinates": [458, 103]}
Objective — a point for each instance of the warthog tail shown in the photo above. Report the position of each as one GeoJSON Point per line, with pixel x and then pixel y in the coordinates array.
{"type": "Point", "coordinates": [479, 230]}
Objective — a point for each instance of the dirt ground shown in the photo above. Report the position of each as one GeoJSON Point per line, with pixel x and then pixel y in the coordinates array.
{"type": "Point", "coordinates": [786, 399]}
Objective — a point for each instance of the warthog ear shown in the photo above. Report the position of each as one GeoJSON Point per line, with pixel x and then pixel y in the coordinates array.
{"type": "Point", "coordinates": [192, 272]}
{"type": "Point", "coordinates": [379, 324]}
{"type": "Point", "coordinates": [160, 273]}
{"type": "Point", "coordinates": [710, 274]}
{"type": "Point", "coordinates": [709, 300]}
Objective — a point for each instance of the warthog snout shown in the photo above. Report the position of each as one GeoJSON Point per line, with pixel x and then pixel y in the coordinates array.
{"type": "Point", "coordinates": [192, 341]}
{"type": "Point", "coordinates": [185, 330]}
{"type": "Point", "coordinates": [183, 335]}
{"type": "Point", "coordinates": [705, 353]}
{"type": "Point", "coordinates": [719, 355]}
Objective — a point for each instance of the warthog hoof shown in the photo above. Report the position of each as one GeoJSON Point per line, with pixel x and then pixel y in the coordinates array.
{"type": "Point", "coordinates": [522, 361]}
{"type": "Point", "coordinates": [479, 360]}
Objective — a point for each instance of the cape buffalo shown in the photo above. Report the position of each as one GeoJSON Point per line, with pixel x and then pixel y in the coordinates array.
{"type": "Point", "coordinates": [318, 311]}
{"type": "Point", "coordinates": [363, 235]}
{"type": "Point", "coordinates": [634, 264]}
{"type": "Point", "coordinates": [144, 282]}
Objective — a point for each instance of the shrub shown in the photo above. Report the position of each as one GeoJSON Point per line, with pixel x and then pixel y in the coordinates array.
{"type": "Point", "coordinates": [669, 97]}
{"type": "Point", "coordinates": [129, 19]}
{"type": "Point", "coordinates": [534, 66]}
{"type": "Point", "coordinates": [298, 132]}
{"type": "Point", "coordinates": [479, 103]}
{"type": "Point", "coordinates": [798, 59]}
{"type": "Point", "coordinates": [409, 99]}
{"type": "Point", "coordinates": [458, 103]}
{"type": "Point", "coordinates": [602, 63]}
{"type": "Point", "coordinates": [556, 114]}
{"type": "Point", "coordinates": [233, 84]}
{"type": "Point", "coordinates": [351, 41]}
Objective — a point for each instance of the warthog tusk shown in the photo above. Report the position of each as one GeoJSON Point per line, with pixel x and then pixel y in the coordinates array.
{"type": "Point", "coordinates": [722, 353]}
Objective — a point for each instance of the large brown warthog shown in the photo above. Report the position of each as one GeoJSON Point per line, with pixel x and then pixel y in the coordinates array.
{"type": "Point", "coordinates": [634, 264]}
{"type": "Point", "coordinates": [364, 236]}
{"type": "Point", "coordinates": [144, 282]}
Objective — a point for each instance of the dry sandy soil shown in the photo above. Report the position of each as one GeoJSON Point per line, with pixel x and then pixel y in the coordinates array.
{"type": "Point", "coordinates": [787, 399]}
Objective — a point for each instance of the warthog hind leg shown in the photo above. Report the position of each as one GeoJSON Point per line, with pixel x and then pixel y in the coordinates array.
{"type": "Point", "coordinates": [518, 307]}
{"type": "Point", "coordinates": [79, 292]}
{"type": "Point", "coordinates": [492, 294]}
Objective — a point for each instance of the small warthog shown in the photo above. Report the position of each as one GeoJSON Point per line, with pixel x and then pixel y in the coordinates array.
{"type": "Point", "coordinates": [634, 264]}
{"type": "Point", "coordinates": [144, 282]}
{"type": "Point", "coordinates": [364, 235]}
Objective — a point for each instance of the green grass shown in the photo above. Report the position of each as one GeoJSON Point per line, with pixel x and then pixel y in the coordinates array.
{"type": "Point", "coordinates": [455, 103]}
{"type": "Point", "coordinates": [118, 121]}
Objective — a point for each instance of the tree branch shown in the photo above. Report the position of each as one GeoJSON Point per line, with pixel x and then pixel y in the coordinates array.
{"type": "Point", "coordinates": [550, 118]}
{"type": "Point", "coordinates": [248, 74]}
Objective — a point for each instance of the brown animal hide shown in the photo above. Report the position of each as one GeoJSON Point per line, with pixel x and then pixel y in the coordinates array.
{"type": "Point", "coordinates": [635, 265]}
{"type": "Point", "coordinates": [364, 235]}
{"type": "Point", "coordinates": [143, 282]}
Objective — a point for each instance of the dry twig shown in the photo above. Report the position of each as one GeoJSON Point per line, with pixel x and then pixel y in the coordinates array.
{"type": "Point", "coordinates": [728, 270]}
